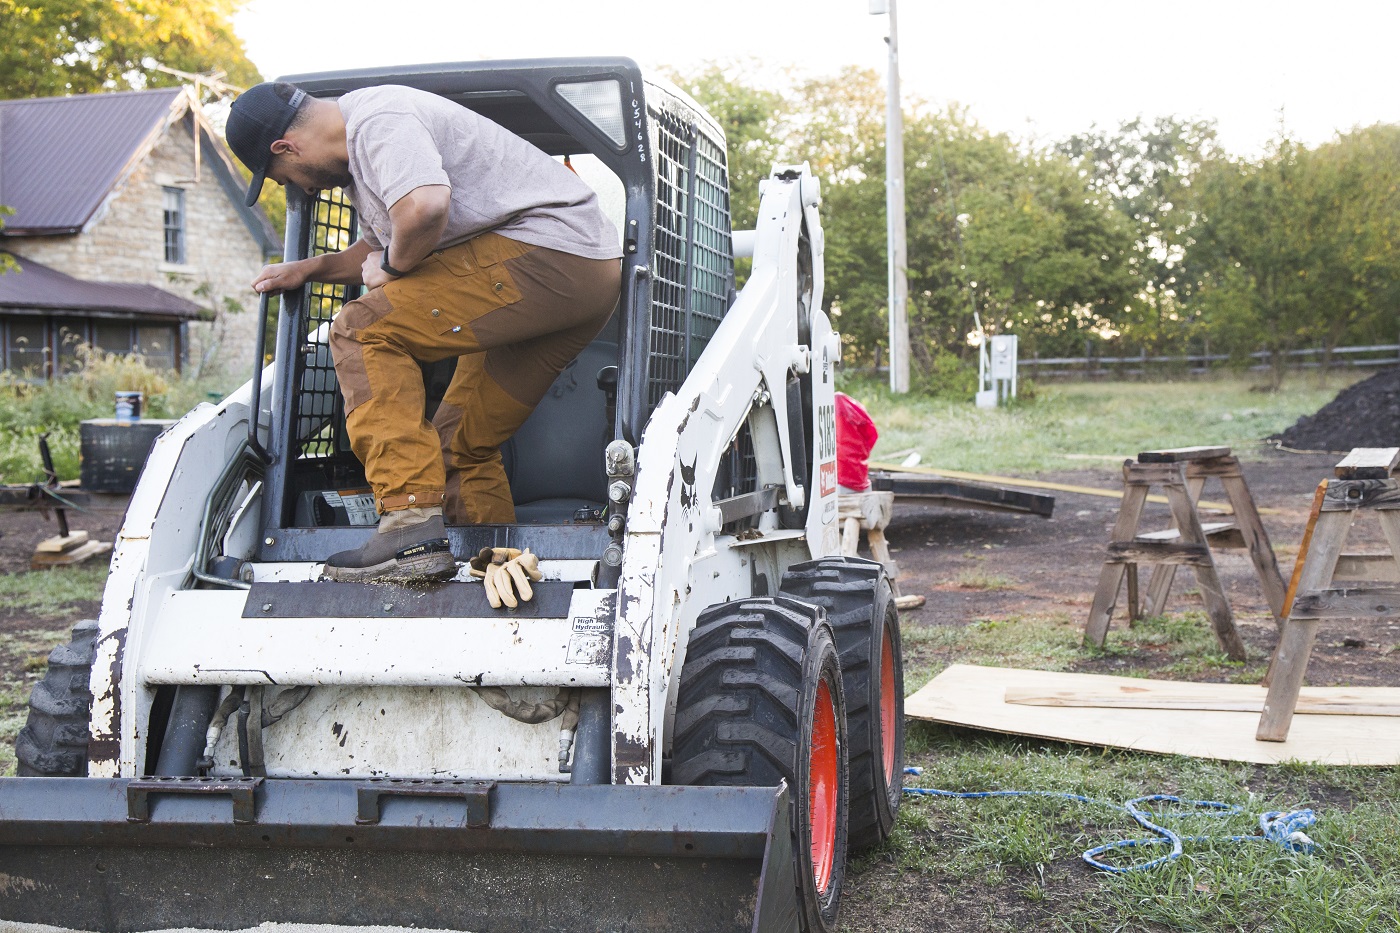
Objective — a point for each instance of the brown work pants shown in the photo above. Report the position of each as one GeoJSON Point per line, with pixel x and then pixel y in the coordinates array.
{"type": "Point", "coordinates": [515, 315]}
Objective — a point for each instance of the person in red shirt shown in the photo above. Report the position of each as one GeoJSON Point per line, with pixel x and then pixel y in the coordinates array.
{"type": "Point", "coordinates": [855, 438]}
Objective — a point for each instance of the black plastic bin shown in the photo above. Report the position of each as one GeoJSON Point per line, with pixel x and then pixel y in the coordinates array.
{"type": "Point", "coordinates": [112, 454]}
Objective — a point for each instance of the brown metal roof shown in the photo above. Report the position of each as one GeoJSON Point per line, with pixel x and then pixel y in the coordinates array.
{"type": "Point", "coordinates": [36, 287]}
{"type": "Point", "coordinates": [60, 156]}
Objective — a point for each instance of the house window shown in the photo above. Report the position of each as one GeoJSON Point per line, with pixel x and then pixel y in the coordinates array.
{"type": "Point", "coordinates": [156, 344]}
{"type": "Point", "coordinates": [26, 347]}
{"type": "Point", "coordinates": [112, 337]}
{"type": "Point", "coordinates": [175, 226]}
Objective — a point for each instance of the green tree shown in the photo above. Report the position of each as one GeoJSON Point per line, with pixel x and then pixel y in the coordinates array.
{"type": "Point", "coordinates": [749, 117]}
{"type": "Point", "coordinates": [52, 47]}
{"type": "Point", "coordinates": [1300, 248]}
{"type": "Point", "coordinates": [1145, 169]}
{"type": "Point", "coordinates": [1356, 286]}
{"type": "Point", "coordinates": [1252, 251]}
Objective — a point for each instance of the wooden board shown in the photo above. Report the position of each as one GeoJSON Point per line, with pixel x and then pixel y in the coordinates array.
{"type": "Point", "coordinates": [1155, 695]}
{"type": "Point", "coordinates": [78, 555]}
{"type": "Point", "coordinates": [1205, 504]}
{"type": "Point", "coordinates": [60, 543]}
{"type": "Point", "coordinates": [1367, 568]}
{"type": "Point", "coordinates": [976, 697]}
{"type": "Point", "coordinates": [1182, 454]}
{"type": "Point", "coordinates": [1368, 463]}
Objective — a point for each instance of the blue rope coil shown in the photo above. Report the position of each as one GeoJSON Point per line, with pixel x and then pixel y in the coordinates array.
{"type": "Point", "coordinates": [1279, 827]}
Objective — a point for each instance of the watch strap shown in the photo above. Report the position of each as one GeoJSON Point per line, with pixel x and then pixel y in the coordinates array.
{"type": "Point", "coordinates": [384, 265]}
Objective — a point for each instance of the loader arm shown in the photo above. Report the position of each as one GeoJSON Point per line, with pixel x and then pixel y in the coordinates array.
{"type": "Point", "coordinates": [673, 523]}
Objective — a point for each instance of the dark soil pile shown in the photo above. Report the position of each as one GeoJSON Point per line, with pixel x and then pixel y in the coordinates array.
{"type": "Point", "coordinates": [1364, 415]}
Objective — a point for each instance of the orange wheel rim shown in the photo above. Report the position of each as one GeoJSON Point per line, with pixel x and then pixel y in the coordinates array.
{"type": "Point", "coordinates": [887, 711]}
{"type": "Point", "coordinates": [824, 779]}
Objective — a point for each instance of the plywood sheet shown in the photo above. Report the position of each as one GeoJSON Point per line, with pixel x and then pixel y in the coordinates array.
{"type": "Point", "coordinates": [976, 697]}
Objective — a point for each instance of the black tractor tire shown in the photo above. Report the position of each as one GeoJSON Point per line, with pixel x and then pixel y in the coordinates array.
{"type": "Point", "coordinates": [761, 679]}
{"type": "Point", "coordinates": [54, 740]}
{"type": "Point", "coordinates": [859, 604]}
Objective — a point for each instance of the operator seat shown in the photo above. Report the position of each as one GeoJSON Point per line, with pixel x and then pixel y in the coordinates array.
{"type": "Point", "coordinates": [555, 461]}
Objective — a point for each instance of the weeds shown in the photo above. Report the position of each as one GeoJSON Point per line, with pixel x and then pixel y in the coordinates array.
{"type": "Point", "coordinates": [29, 410]}
{"type": "Point", "coordinates": [976, 579]}
{"type": "Point", "coordinates": [51, 594]}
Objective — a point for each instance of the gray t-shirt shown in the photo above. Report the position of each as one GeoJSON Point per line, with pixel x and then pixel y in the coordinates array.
{"type": "Point", "coordinates": [400, 138]}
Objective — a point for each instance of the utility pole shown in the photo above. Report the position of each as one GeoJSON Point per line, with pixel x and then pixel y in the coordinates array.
{"type": "Point", "coordinates": [898, 266]}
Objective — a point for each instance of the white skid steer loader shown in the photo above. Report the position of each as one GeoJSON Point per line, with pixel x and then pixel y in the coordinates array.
{"type": "Point", "coordinates": [695, 718]}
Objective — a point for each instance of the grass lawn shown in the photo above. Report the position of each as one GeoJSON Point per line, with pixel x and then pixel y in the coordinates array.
{"type": "Point", "coordinates": [1021, 856]}
{"type": "Point", "coordinates": [1076, 425]}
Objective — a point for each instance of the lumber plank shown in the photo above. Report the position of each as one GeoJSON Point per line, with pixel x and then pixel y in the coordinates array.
{"type": "Point", "coordinates": [1162, 576]}
{"type": "Point", "coordinates": [1347, 495]}
{"type": "Point", "coordinates": [1216, 532]}
{"type": "Point", "coordinates": [1372, 602]}
{"type": "Point", "coordinates": [1111, 576]}
{"type": "Point", "coordinates": [1290, 663]}
{"type": "Point", "coordinates": [1256, 541]}
{"type": "Point", "coordinates": [1342, 705]}
{"type": "Point", "coordinates": [1041, 484]}
{"type": "Point", "coordinates": [1152, 474]}
{"type": "Point", "coordinates": [1367, 568]}
{"type": "Point", "coordinates": [959, 494]}
{"type": "Point", "coordinates": [1165, 552]}
{"type": "Point", "coordinates": [1390, 526]}
{"type": "Point", "coordinates": [60, 543]}
{"type": "Point", "coordinates": [1133, 604]}
{"type": "Point", "coordinates": [78, 555]}
{"type": "Point", "coordinates": [850, 537]}
{"type": "Point", "coordinates": [1182, 454]}
{"type": "Point", "coordinates": [1222, 619]}
{"type": "Point", "coordinates": [1221, 468]}
{"type": "Point", "coordinates": [1368, 463]}
{"type": "Point", "coordinates": [974, 697]}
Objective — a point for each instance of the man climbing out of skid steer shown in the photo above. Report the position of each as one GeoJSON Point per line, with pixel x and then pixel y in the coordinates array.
{"type": "Point", "coordinates": [474, 244]}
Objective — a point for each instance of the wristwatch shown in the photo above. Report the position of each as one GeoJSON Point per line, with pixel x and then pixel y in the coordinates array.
{"type": "Point", "coordinates": [384, 265]}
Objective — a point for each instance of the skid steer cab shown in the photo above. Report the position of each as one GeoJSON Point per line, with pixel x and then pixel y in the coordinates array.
{"type": "Point", "coordinates": [693, 722]}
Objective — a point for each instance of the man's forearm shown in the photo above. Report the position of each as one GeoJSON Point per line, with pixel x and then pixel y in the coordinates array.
{"type": "Point", "coordinates": [342, 268]}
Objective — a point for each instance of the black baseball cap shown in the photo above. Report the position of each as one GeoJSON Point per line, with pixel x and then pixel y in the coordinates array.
{"type": "Point", "coordinates": [259, 117]}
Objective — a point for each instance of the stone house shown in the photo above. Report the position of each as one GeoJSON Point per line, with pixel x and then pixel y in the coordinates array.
{"type": "Point", "coordinates": [130, 232]}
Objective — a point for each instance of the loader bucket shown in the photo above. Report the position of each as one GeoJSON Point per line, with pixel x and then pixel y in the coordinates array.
{"type": "Point", "coordinates": [158, 853]}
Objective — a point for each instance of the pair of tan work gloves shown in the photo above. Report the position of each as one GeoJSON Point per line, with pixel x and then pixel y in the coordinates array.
{"type": "Point", "coordinates": [506, 571]}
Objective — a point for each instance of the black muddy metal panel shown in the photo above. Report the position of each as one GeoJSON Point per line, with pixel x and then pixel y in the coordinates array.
{"type": "Point", "coordinates": [962, 495]}
{"type": "Point", "coordinates": [543, 857]}
{"type": "Point", "coordinates": [555, 542]}
{"type": "Point", "coordinates": [385, 601]}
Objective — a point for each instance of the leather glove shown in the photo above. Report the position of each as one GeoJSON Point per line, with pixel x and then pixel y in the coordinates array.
{"type": "Point", "coordinates": [506, 571]}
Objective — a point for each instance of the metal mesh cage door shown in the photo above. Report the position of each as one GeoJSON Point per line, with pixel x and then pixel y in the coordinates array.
{"type": "Point", "coordinates": [692, 269]}
{"type": "Point", "coordinates": [319, 411]}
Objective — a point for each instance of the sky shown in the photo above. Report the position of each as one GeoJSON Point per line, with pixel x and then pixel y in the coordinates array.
{"type": "Point", "coordinates": [1040, 71]}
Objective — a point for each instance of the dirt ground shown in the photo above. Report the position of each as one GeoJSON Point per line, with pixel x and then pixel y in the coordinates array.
{"type": "Point", "coordinates": [1047, 567]}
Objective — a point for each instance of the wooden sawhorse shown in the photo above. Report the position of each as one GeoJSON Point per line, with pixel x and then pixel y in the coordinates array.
{"type": "Point", "coordinates": [1328, 584]}
{"type": "Point", "coordinates": [871, 512]}
{"type": "Point", "coordinates": [1182, 474]}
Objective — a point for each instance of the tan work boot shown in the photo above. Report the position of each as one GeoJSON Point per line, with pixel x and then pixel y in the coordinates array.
{"type": "Point", "coordinates": [411, 544]}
